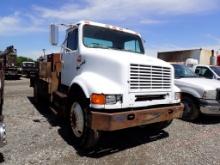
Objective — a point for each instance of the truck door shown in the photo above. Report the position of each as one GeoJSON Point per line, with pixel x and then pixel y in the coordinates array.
{"type": "Point", "coordinates": [69, 57]}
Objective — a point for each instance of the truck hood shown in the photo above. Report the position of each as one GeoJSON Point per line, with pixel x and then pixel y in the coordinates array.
{"type": "Point", "coordinates": [114, 65]}
{"type": "Point", "coordinates": [127, 57]}
{"type": "Point", "coordinates": [201, 83]}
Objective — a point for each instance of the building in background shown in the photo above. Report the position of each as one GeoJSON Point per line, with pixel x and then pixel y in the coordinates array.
{"type": "Point", "coordinates": [203, 56]}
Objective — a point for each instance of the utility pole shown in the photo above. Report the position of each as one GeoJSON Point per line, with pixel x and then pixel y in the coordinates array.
{"type": "Point", "coordinates": [44, 50]}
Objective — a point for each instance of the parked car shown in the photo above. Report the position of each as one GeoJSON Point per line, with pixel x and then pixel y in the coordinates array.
{"type": "Point", "coordinates": [28, 67]}
{"type": "Point", "coordinates": [199, 95]}
{"type": "Point", "coordinates": [207, 71]}
{"type": "Point", "coordinates": [2, 80]}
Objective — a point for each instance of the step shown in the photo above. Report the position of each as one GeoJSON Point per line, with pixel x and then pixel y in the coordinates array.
{"type": "Point", "coordinates": [53, 110]}
{"type": "Point", "coordinates": [60, 94]}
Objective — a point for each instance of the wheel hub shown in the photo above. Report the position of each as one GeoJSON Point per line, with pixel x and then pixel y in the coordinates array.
{"type": "Point", "coordinates": [77, 119]}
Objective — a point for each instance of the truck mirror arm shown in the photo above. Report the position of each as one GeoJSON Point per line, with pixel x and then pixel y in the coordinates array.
{"type": "Point", "coordinates": [67, 49]}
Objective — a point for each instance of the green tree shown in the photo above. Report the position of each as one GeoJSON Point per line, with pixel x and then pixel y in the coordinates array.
{"type": "Point", "coordinates": [21, 59]}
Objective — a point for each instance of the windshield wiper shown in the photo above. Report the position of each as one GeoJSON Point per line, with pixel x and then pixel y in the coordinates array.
{"type": "Point", "coordinates": [96, 45]}
{"type": "Point", "coordinates": [178, 77]}
{"type": "Point", "coordinates": [190, 76]}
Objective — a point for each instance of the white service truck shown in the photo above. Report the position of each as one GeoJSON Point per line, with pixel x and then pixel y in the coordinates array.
{"type": "Point", "coordinates": [103, 81]}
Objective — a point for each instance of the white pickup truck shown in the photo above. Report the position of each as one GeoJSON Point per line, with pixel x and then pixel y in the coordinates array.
{"type": "Point", "coordinates": [199, 95]}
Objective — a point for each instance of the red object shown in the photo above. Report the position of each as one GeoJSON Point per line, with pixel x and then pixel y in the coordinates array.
{"type": "Point", "coordinates": [218, 60]}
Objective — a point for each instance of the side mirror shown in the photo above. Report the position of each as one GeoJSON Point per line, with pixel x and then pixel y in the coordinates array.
{"type": "Point", "coordinates": [54, 32]}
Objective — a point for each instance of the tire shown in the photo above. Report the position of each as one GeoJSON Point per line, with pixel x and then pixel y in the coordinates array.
{"type": "Point", "coordinates": [36, 95]}
{"type": "Point", "coordinates": [83, 136]}
{"type": "Point", "coordinates": [191, 110]}
{"type": "Point", "coordinates": [39, 97]}
{"type": "Point", "coordinates": [1, 107]}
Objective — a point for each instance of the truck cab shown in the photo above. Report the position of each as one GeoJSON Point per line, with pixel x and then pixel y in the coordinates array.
{"type": "Point", "coordinates": [208, 71]}
{"type": "Point", "coordinates": [107, 81]}
{"type": "Point", "coordinates": [94, 55]}
{"type": "Point", "coordinates": [28, 67]}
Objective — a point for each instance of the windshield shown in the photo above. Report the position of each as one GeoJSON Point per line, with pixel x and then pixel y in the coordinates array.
{"type": "Point", "coordinates": [99, 37]}
{"type": "Point", "coordinates": [182, 71]}
{"type": "Point", "coordinates": [28, 64]}
{"type": "Point", "coordinates": [216, 69]}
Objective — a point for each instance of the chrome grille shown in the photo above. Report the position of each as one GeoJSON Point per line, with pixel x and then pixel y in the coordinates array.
{"type": "Point", "coordinates": [149, 77]}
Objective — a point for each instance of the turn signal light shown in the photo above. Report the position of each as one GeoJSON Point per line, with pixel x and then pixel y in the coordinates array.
{"type": "Point", "coordinates": [97, 99]}
{"type": "Point", "coordinates": [177, 96]}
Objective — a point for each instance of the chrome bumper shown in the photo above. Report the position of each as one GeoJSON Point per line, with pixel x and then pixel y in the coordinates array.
{"type": "Point", "coordinates": [210, 107]}
{"type": "Point", "coordinates": [2, 134]}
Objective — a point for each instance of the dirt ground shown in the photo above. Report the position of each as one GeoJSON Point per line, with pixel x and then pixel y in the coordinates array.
{"type": "Point", "coordinates": [36, 136]}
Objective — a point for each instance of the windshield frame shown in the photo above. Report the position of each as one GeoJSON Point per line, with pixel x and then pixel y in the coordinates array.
{"type": "Point", "coordinates": [139, 39]}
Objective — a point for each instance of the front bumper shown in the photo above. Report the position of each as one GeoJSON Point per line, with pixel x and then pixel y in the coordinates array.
{"type": "Point", "coordinates": [103, 121]}
{"type": "Point", "coordinates": [12, 74]}
{"type": "Point", "coordinates": [210, 107]}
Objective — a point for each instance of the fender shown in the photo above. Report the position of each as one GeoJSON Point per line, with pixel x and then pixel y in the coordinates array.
{"type": "Point", "coordinates": [94, 83]}
{"type": "Point", "coordinates": [190, 91]}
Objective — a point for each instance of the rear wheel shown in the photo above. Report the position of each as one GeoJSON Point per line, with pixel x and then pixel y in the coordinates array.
{"type": "Point", "coordinates": [36, 95]}
{"type": "Point", "coordinates": [40, 95]}
{"type": "Point", "coordinates": [84, 137]}
{"type": "Point", "coordinates": [191, 110]}
{"type": "Point", "coordinates": [1, 107]}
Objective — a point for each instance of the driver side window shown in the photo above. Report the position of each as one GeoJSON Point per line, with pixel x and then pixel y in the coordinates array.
{"type": "Point", "coordinates": [72, 40]}
{"type": "Point", "coordinates": [132, 45]}
{"type": "Point", "coordinates": [204, 72]}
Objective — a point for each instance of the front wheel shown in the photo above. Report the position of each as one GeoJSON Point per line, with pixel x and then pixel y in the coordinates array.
{"type": "Point", "coordinates": [191, 110]}
{"type": "Point", "coordinates": [84, 137]}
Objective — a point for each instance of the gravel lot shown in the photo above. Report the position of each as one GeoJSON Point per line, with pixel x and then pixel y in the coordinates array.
{"type": "Point", "coordinates": [36, 136]}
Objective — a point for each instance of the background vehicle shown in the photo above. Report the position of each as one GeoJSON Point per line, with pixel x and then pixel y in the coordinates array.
{"type": "Point", "coordinates": [28, 67]}
{"type": "Point", "coordinates": [199, 95]}
{"type": "Point", "coordinates": [208, 71]}
{"type": "Point", "coordinates": [203, 56]}
{"type": "Point", "coordinates": [103, 81]}
{"type": "Point", "coordinates": [2, 78]}
{"type": "Point", "coordinates": [11, 70]}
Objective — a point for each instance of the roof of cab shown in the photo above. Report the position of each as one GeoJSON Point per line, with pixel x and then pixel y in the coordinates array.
{"type": "Point", "coordinates": [108, 26]}
{"type": "Point", "coordinates": [205, 65]}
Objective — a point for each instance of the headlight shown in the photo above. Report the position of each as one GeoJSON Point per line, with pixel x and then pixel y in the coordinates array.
{"type": "Point", "coordinates": [209, 95]}
{"type": "Point", "coordinates": [113, 99]}
{"type": "Point", "coordinates": [102, 99]}
{"type": "Point", "coordinates": [177, 96]}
